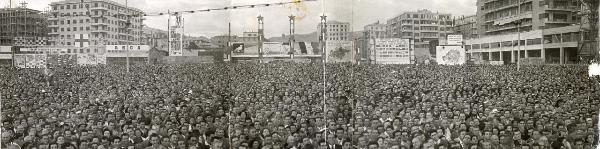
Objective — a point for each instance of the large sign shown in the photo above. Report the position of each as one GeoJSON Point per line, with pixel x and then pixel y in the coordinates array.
{"type": "Point", "coordinates": [450, 55]}
{"type": "Point", "coordinates": [112, 48]}
{"type": "Point", "coordinates": [339, 51]}
{"type": "Point", "coordinates": [45, 50]}
{"type": "Point", "coordinates": [30, 41]}
{"type": "Point", "coordinates": [594, 69]}
{"type": "Point", "coordinates": [275, 48]}
{"type": "Point", "coordinates": [392, 51]}
{"type": "Point", "coordinates": [5, 49]}
{"type": "Point", "coordinates": [455, 39]}
{"type": "Point", "coordinates": [30, 60]}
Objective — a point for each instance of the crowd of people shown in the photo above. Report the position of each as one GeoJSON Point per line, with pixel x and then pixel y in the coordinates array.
{"type": "Point", "coordinates": [300, 106]}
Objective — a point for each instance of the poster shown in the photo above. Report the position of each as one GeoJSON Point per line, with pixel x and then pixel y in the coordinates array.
{"type": "Point", "coordinates": [237, 47]}
{"type": "Point", "coordinates": [450, 55]}
{"type": "Point", "coordinates": [339, 51]}
{"type": "Point", "coordinates": [392, 51]}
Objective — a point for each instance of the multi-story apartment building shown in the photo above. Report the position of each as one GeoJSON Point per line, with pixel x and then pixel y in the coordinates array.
{"type": "Point", "coordinates": [96, 23]}
{"type": "Point", "coordinates": [336, 31]}
{"type": "Point", "coordinates": [497, 17]}
{"type": "Point", "coordinates": [465, 26]}
{"type": "Point", "coordinates": [21, 22]}
{"type": "Point", "coordinates": [422, 26]}
{"type": "Point", "coordinates": [529, 31]}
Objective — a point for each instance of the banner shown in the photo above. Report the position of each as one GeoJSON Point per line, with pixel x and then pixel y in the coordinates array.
{"type": "Point", "coordinates": [339, 51]}
{"type": "Point", "coordinates": [450, 55]}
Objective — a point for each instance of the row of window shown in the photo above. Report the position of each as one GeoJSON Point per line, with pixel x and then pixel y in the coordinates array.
{"type": "Point", "coordinates": [81, 6]}
{"type": "Point", "coordinates": [535, 41]}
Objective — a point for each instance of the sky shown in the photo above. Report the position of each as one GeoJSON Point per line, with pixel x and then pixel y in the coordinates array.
{"type": "Point", "coordinates": [358, 12]}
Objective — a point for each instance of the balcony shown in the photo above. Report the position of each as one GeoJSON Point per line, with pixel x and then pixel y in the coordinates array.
{"type": "Point", "coordinates": [99, 8]}
{"type": "Point", "coordinates": [99, 31]}
{"type": "Point", "coordinates": [556, 21]}
{"type": "Point", "coordinates": [560, 8]}
{"type": "Point", "coordinates": [99, 23]}
{"type": "Point", "coordinates": [496, 29]}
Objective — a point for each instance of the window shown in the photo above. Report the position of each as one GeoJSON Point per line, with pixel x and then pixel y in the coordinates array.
{"type": "Point", "coordinates": [80, 50]}
{"type": "Point", "coordinates": [68, 43]}
{"type": "Point", "coordinates": [68, 6]}
{"type": "Point", "coordinates": [74, 6]}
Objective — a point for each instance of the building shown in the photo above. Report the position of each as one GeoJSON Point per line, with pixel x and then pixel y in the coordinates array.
{"type": "Point", "coordinates": [249, 37]}
{"type": "Point", "coordinates": [337, 31]}
{"type": "Point", "coordinates": [497, 17]}
{"type": "Point", "coordinates": [86, 26]}
{"type": "Point", "coordinates": [466, 26]}
{"type": "Point", "coordinates": [155, 37]}
{"type": "Point", "coordinates": [371, 31]}
{"type": "Point", "coordinates": [222, 40]}
{"type": "Point", "coordinates": [21, 22]}
{"type": "Point", "coordinates": [422, 26]}
{"type": "Point", "coordinates": [550, 33]}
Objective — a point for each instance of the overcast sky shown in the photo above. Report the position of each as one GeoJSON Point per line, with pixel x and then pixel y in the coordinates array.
{"type": "Point", "coordinates": [357, 12]}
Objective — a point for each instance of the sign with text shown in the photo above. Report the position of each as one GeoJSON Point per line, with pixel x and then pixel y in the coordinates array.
{"type": "Point", "coordinates": [392, 51]}
{"type": "Point", "coordinates": [455, 40]}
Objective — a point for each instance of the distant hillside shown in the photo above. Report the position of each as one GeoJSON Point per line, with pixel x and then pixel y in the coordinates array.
{"type": "Point", "coordinates": [310, 37]}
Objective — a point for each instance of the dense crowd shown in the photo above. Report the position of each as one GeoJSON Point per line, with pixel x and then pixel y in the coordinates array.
{"type": "Point", "coordinates": [290, 105]}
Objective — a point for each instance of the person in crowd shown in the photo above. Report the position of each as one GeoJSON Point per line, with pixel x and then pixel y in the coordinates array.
{"type": "Point", "coordinates": [291, 106]}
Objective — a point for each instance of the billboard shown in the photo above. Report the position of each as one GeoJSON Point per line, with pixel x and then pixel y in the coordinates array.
{"type": "Point", "coordinates": [339, 51]}
{"type": "Point", "coordinates": [392, 51]}
{"type": "Point", "coordinates": [61, 60]}
{"type": "Point", "coordinates": [275, 48]}
{"type": "Point", "coordinates": [451, 55]}
{"type": "Point", "coordinates": [30, 60]}
{"type": "Point", "coordinates": [5, 49]}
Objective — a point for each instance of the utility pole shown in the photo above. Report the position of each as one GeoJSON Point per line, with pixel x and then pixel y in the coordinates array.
{"type": "Point", "coordinates": [127, 30]}
{"type": "Point", "coordinates": [292, 32]}
{"type": "Point", "coordinates": [324, 55]}
{"type": "Point", "coordinates": [261, 27]}
{"type": "Point", "coordinates": [518, 36]}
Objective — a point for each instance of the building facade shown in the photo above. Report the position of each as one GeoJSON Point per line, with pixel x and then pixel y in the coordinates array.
{"type": "Point", "coordinates": [466, 26]}
{"type": "Point", "coordinates": [497, 17]}
{"type": "Point", "coordinates": [222, 40]}
{"type": "Point", "coordinates": [336, 31]}
{"type": "Point", "coordinates": [530, 32]}
{"type": "Point", "coordinates": [95, 23]}
{"type": "Point", "coordinates": [422, 26]}
{"type": "Point", "coordinates": [21, 22]}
